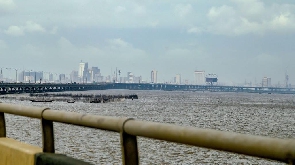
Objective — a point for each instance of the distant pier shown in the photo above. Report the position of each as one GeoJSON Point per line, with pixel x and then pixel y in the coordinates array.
{"type": "Point", "coordinates": [71, 98]}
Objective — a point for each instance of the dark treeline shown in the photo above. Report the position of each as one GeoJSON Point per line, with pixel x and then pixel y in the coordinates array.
{"type": "Point", "coordinates": [77, 96]}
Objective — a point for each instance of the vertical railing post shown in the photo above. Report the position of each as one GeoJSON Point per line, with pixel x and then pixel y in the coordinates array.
{"type": "Point", "coordinates": [47, 134]}
{"type": "Point", "coordinates": [2, 125]}
{"type": "Point", "coordinates": [128, 147]}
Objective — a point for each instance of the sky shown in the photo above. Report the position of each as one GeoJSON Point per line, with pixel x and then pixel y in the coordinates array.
{"type": "Point", "coordinates": [239, 40]}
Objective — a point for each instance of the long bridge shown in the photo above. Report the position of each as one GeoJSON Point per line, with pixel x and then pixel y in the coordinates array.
{"type": "Point", "coordinates": [13, 88]}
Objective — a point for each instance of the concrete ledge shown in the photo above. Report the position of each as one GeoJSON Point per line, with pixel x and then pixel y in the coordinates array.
{"type": "Point", "coordinates": [57, 159]}
{"type": "Point", "coordinates": [13, 152]}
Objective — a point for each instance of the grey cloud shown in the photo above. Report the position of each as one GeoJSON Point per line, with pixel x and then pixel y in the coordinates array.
{"type": "Point", "coordinates": [33, 27]}
{"type": "Point", "coordinates": [14, 31]}
{"type": "Point", "coordinates": [229, 20]}
{"type": "Point", "coordinates": [182, 10]}
{"type": "Point", "coordinates": [30, 27]}
{"type": "Point", "coordinates": [7, 6]}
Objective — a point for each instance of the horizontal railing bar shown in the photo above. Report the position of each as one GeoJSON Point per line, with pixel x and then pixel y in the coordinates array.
{"type": "Point", "coordinates": [34, 112]}
{"type": "Point", "coordinates": [87, 120]}
{"type": "Point", "coordinates": [258, 146]}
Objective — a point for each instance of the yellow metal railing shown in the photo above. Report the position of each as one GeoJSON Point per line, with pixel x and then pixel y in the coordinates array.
{"type": "Point", "coordinates": [282, 150]}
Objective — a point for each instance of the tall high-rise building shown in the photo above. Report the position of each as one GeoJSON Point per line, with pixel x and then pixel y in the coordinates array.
{"type": "Point", "coordinates": [94, 73]}
{"type": "Point", "coordinates": [83, 71]}
{"type": "Point", "coordinates": [266, 82]}
{"type": "Point", "coordinates": [130, 77]}
{"type": "Point", "coordinates": [200, 78]}
{"type": "Point", "coordinates": [62, 78]}
{"type": "Point", "coordinates": [74, 76]}
{"type": "Point", "coordinates": [177, 79]}
{"type": "Point", "coordinates": [51, 77]}
{"type": "Point", "coordinates": [154, 76]}
{"type": "Point", "coordinates": [137, 79]}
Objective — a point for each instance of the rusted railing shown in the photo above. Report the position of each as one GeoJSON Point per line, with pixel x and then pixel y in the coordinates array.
{"type": "Point", "coordinates": [270, 148]}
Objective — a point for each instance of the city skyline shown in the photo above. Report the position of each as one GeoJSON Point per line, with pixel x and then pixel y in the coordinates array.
{"type": "Point", "coordinates": [92, 74]}
{"type": "Point", "coordinates": [221, 37]}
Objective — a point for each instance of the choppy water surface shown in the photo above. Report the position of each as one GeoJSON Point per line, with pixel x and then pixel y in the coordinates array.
{"type": "Point", "coordinates": [258, 114]}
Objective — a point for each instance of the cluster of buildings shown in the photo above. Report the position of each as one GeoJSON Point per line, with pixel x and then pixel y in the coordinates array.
{"type": "Point", "coordinates": [154, 78]}
{"type": "Point", "coordinates": [85, 74]}
{"type": "Point", "coordinates": [130, 78]}
{"type": "Point", "coordinates": [266, 82]}
{"type": "Point", "coordinates": [202, 79]}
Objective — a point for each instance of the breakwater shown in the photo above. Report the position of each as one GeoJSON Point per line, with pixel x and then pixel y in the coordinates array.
{"type": "Point", "coordinates": [71, 98]}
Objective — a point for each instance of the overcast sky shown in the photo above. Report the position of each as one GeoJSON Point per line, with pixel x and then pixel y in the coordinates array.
{"type": "Point", "coordinates": [239, 40]}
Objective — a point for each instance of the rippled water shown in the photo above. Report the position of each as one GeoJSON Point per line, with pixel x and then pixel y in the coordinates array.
{"type": "Point", "coordinates": [258, 114]}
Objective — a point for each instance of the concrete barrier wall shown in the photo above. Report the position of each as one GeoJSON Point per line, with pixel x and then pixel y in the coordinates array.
{"type": "Point", "coordinates": [13, 152]}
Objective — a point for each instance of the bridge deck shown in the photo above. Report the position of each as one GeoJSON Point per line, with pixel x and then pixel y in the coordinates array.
{"type": "Point", "coordinates": [11, 88]}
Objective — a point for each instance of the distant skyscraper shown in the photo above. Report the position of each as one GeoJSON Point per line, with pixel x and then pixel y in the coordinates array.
{"type": "Point", "coordinates": [178, 79]}
{"type": "Point", "coordinates": [94, 73]}
{"type": "Point", "coordinates": [200, 78]}
{"type": "Point", "coordinates": [83, 71]}
{"type": "Point", "coordinates": [266, 82]}
{"type": "Point", "coordinates": [74, 76]}
{"type": "Point", "coordinates": [108, 78]}
{"type": "Point", "coordinates": [62, 78]}
{"type": "Point", "coordinates": [130, 77]}
{"type": "Point", "coordinates": [154, 76]}
{"type": "Point", "coordinates": [137, 79]}
{"type": "Point", "coordinates": [51, 77]}
{"type": "Point", "coordinates": [38, 76]}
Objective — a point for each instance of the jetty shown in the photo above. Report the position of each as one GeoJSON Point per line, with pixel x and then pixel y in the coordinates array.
{"type": "Point", "coordinates": [72, 98]}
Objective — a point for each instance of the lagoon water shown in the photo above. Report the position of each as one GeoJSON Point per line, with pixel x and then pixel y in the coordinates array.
{"type": "Point", "coordinates": [257, 114]}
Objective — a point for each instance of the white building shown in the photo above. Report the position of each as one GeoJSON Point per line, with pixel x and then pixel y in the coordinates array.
{"type": "Point", "coordinates": [266, 82]}
{"type": "Point", "coordinates": [51, 77]}
{"type": "Point", "coordinates": [154, 74]}
{"type": "Point", "coordinates": [62, 78]}
{"type": "Point", "coordinates": [30, 76]}
{"type": "Point", "coordinates": [137, 79]}
{"type": "Point", "coordinates": [130, 77]}
{"type": "Point", "coordinates": [94, 73]}
{"type": "Point", "coordinates": [83, 71]}
{"type": "Point", "coordinates": [200, 78]}
{"type": "Point", "coordinates": [177, 79]}
{"type": "Point", "coordinates": [74, 76]}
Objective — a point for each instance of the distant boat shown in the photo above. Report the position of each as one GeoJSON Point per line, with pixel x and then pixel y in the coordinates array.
{"type": "Point", "coordinates": [95, 101]}
{"type": "Point", "coordinates": [70, 101]}
{"type": "Point", "coordinates": [41, 100]}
